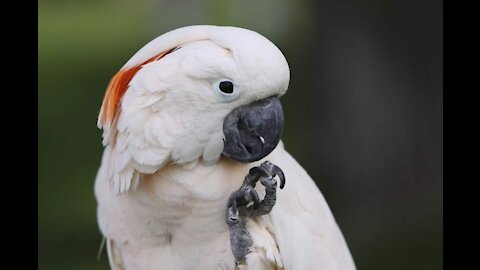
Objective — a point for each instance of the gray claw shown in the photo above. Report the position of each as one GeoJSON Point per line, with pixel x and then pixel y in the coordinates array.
{"type": "Point", "coordinates": [240, 238]}
{"type": "Point", "coordinates": [278, 172]}
{"type": "Point", "coordinates": [234, 207]}
{"type": "Point", "coordinates": [259, 171]}
{"type": "Point", "coordinates": [232, 217]}
{"type": "Point", "coordinates": [270, 169]}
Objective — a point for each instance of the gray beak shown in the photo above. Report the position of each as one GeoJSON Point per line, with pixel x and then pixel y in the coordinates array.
{"type": "Point", "coordinates": [252, 131]}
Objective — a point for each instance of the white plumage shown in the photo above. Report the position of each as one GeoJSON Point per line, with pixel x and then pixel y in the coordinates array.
{"type": "Point", "coordinates": [163, 184]}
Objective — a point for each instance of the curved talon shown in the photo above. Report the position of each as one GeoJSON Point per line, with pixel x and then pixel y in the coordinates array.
{"type": "Point", "coordinates": [232, 217]}
{"type": "Point", "coordinates": [255, 199]}
{"type": "Point", "coordinates": [234, 206]}
{"type": "Point", "coordinates": [277, 171]}
{"type": "Point", "coordinates": [259, 172]}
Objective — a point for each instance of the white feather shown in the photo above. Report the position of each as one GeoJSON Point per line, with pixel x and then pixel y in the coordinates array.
{"type": "Point", "coordinates": [213, 149]}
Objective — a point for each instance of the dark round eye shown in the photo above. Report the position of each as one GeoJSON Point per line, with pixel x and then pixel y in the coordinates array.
{"type": "Point", "coordinates": [226, 87]}
{"type": "Point", "coordinates": [226, 90]}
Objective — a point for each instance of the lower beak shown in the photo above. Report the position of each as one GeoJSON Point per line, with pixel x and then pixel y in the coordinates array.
{"type": "Point", "coordinates": [252, 131]}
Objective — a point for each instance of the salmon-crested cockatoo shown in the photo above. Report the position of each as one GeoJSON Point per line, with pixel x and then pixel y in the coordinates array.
{"type": "Point", "coordinates": [188, 179]}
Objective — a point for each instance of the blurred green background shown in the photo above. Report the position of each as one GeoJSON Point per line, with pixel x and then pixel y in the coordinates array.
{"type": "Point", "coordinates": [364, 113]}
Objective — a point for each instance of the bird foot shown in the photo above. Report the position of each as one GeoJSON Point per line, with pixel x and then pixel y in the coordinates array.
{"type": "Point", "coordinates": [244, 203]}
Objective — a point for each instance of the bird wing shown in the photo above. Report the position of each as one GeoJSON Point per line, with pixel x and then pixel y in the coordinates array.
{"type": "Point", "coordinates": [305, 231]}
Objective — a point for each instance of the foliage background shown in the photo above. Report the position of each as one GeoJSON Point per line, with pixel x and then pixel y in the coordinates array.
{"type": "Point", "coordinates": [364, 113]}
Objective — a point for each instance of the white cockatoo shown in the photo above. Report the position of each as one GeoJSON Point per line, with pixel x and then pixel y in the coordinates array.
{"type": "Point", "coordinates": [187, 123]}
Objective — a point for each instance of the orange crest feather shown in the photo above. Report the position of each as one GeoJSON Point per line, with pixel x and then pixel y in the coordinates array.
{"type": "Point", "coordinates": [118, 86]}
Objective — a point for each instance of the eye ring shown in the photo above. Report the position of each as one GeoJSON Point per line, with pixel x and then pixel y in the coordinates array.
{"type": "Point", "coordinates": [226, 89]}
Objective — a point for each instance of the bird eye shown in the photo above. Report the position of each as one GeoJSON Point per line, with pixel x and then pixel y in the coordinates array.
{"type": "Point", "coordinates": [225, 89]}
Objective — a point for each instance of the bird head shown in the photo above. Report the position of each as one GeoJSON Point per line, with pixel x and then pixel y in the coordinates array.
{"type": "Point", "coordinates": [194, 94]}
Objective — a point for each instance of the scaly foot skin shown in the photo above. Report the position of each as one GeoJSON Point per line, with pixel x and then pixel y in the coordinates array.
{"type": "Point", "coordinates": [244, 203]}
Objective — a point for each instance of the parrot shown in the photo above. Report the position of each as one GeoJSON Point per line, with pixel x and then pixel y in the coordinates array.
{"type": "Point", "coordinates": [190, 124]}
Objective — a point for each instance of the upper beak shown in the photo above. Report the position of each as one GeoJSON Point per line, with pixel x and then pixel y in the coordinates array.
{"type": "Point", "coordinates": [252, 131]}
